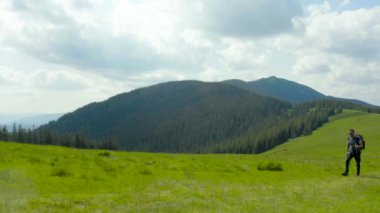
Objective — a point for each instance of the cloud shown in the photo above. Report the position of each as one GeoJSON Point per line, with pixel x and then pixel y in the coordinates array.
{"type": "Point", "coordinates": [246, 18]}
{"type": "Point", "coordinates": [51, 91]}
{"type": "Point", "coordinates": [7, 76]}
{"type": "Point", "coordinates": [43, 79]}
{"type": "Point", "coordinates": [350, 33]}
{"type": "Point", "coordinates": [158, 76]}
{"type": "Point", "coordinates": [51, 32]}
{"type": "Point", "coordinates": [196, 38]}
{"type": "Point", "coordinates": [98, 48]}
{"type": "Point", "coordinates": [124, 38]}
{"type": "Point", "coordinates": [59, 80]}
{"type": "Point", "coordinates": [345, 2]}
{"type": "Point", "coordinates": [243, 56]}
{"type": "Point", "coordinates": [56, 37]}
{"type": "Point", "coordinates": [336, 52]}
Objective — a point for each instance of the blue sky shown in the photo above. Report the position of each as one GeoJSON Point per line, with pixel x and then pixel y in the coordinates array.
{"type": "Point", "coordinates": [56, 56]}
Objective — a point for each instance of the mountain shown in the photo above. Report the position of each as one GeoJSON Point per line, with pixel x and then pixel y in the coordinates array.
{"type": "Point", "coordinates": [286, 90]}
{"type": "Point", "coordinates": [354, 101]}
{"type": "Point", "coordinates": [187, 116]}
{"type": "Point", "coordinates": [191, 116]}
{"type": "Point", "coordinates": [280, 88]}
{"type": "Point", "coordinates": [28, 120]}
{"type": "Point", "coordinates": [6, 118]}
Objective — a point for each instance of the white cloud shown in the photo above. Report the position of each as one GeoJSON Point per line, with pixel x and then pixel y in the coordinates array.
{"type": "Point", "coordinates": [9, 76]}
{"type": "Point", "coordinates": [52, 80]}
{"type": "Point", "coordinates": [243, 56]}
{"type": "Point", "coordinates": [345, 2]}
{"type": "Point", "coordinates": [55, 90]}
{"type": "Point", "coordinates": [129, 37]}
{"type": "Point", "coordinates": [118, 40]}
{"type": "Point", "coordinates": [59, 80]}
{"type": "Point", "coordinates": [244, 18]}
{"type": "Point", "coordinates": [158, 76]}
{"type": "Point", "coordinates": [196, 38]}
{"type": "Point", "coordinates": [350, 33]}
{"type": "Point", "coordinates": [88, 50]}
{"type": "Point", "coordinates": [337, 53]}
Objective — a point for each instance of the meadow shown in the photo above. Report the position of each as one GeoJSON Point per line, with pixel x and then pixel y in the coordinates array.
{"type": "Point", "coordinates": [302, 175]}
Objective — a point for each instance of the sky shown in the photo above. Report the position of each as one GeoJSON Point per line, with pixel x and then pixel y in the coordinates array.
{"type": "Point", "coordinates": [58, 55]}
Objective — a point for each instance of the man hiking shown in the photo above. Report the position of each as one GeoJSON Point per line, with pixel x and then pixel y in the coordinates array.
{"type": "Point", "coordinates": [354, 146]}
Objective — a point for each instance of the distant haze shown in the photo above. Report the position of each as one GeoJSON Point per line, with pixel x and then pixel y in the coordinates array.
{"type": "Point", "coordinates": [28, 121]}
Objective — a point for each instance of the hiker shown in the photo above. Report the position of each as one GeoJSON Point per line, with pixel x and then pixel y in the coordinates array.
{"type": "Point", "coordinates": [354, 146]}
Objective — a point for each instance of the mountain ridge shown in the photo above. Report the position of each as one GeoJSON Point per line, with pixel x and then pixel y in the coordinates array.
{"type": "Point", "coordinates": [173, 116]}
{"type": "Point", "coordinates": [196, 117]}
{"type": "Point", "coordinates": [279, 88]}
{"type": "Point", "coordinates": [287, 90]}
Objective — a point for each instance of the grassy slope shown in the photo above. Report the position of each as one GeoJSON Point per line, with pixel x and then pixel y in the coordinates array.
{"type": "Point", "coordinates": [46, 178]}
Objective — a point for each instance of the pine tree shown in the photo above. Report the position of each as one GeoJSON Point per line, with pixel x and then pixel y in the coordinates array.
{"type": "Point", "coordinates": [5, 133]}
{"type": "Point", "coordinates": [20, 134]}
{"type": "Point", "coordinates": [14, 132]}
{"type": "Point", "coordinates": [1, 133]}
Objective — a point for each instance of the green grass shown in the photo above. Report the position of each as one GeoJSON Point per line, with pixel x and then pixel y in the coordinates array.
{"type": "Point", "coordinates": [57, 179]}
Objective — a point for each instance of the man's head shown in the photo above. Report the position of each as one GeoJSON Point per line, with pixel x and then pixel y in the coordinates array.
{"type": "Point", "coordinates": [351, 132]}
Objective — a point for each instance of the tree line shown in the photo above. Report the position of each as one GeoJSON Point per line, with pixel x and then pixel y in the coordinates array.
{"type": "Point", "coordinates": [48, 137]}
{"type": "Point", "coordinates": [277, 131]}
{"type": "Point", "coordinates": [301, 120]}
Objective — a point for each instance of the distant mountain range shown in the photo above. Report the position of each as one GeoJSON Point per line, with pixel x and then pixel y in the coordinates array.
{"type": "Point", "coordinates": [194, 116]}
{"type": "Point", "coordinates": [285, 90]}
{"type": "Point", "coordinates": [27, 120]}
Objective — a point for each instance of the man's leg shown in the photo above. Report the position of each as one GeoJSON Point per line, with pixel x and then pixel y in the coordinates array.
{"type": "Point", "coordinates": [348, 159]}
{"type": "Point", "coordinates": [357, 159]}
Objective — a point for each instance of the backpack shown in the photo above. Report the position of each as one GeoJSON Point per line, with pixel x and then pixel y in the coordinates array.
{"type": "Point", "coordinates": [363, 142]}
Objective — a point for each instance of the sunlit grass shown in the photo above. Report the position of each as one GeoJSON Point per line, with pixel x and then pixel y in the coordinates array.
{"type": "Point", "coordinates": [49, 179]}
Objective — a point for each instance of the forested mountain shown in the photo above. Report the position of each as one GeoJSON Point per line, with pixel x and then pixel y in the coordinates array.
{"type": "Point", "coordinates": [280, 88]}
{"type": "Point", "coordinates": [187, 116]}
{"type": "Point", "coordinates": [285, 90]}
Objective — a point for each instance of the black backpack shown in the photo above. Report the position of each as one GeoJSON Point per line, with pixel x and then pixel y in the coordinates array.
{"type": "Point", "coordinates": [363, 142]}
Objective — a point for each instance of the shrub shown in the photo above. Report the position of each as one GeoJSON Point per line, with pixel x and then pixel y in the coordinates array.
{"type": "Point", "coordinates": [270, 166]}
{"type": "Point", "coordinates": [104, 154]}
{"type": "Point", "coordinates": [34, 160]}
{"type": "Point", "coordinates": [60, 172]}
{"type": "Point", "coordinates": [145, 172]}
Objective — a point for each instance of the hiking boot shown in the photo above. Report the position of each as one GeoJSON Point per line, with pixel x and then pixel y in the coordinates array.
{"type": "Point", "coordinates": [344, 174]}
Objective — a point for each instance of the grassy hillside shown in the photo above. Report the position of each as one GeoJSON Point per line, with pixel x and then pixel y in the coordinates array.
{"type": "Point", "coordinates": [54, 179]}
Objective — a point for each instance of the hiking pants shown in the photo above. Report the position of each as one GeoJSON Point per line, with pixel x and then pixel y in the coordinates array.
{"type": "Point", "coordinates": [356, 155]}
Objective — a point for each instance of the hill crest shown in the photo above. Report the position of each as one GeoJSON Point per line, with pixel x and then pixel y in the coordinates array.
{"type": "Point", "coordinates": [286, 90]}
{"type": "Point", "coordinates": [186, 116]}
{"type": "Point", "coordinates": [195, 116]}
